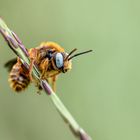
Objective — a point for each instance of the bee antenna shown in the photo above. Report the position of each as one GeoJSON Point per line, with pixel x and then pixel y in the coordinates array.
{"type": "Point", "coordinates": [79, 54]}
{"type": "Point", "coordinates": [70, 53]}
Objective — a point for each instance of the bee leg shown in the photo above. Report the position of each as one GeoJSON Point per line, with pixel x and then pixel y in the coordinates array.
{"type": "Point", "coordinates": [33, 55]}
{"type": "Point", "coordinates": [44, 67]}
{"type": "Point", "coordinates": [39, 89]}
{"type": "Point", "coordinates": [54, 83]}
{"type": "Point", "coordinates": [38, 86]}
{"type": "Point", "coordinates": [30, 70]}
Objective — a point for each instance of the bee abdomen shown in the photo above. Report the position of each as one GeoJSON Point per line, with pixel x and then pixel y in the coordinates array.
{"type": "Point", "coordinates": [18, 78]}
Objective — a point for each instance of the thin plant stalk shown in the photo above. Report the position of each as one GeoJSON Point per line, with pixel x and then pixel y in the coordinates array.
{"type": "Point", "coordinates": [19, 49]}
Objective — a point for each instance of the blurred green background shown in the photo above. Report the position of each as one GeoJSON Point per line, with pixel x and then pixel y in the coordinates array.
{"type": "Point", "coordinates": [102, 91]}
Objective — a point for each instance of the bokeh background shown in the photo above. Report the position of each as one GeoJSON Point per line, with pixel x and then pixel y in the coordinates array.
{"type": "Point", "coordinates": [102, 91]}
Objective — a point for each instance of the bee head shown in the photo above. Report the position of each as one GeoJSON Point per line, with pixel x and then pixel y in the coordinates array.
{"type": "Point", "coordinates": [63, 60]}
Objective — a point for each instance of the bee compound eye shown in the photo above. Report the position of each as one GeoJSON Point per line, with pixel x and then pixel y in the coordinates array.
{"type": "Point", "coordinates": [59, 60]}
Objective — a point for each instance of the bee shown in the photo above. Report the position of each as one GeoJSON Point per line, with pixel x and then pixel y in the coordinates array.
{"type": "Point", "coordinates": [51, 60]}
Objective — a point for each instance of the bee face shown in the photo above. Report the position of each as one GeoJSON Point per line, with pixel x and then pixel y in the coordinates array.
{"type": "Point", "coordinates": [67, 64]}
{"type": "Point", "coordinates": [62, 63]}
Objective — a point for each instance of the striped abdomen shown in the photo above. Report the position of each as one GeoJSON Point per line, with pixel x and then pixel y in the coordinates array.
{"type": "Point", "coordinates": [19, 78]}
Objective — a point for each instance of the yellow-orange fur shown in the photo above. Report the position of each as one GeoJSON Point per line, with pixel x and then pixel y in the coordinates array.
{"type": "Point", "coordinates": [20, 77]}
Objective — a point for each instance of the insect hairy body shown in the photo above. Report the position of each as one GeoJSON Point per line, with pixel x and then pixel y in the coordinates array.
{"type": "Point", "coordinates": [51, 60]}
{"type": "Point", "coordinates": [47, 57]}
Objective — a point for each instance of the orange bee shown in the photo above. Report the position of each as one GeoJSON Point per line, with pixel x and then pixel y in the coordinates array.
{"type": "Point", "coordinates": [51, 60]}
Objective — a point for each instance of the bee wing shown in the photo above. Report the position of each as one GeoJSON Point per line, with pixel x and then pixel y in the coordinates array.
{"type": "Point", "coordinates": [10, 64]}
